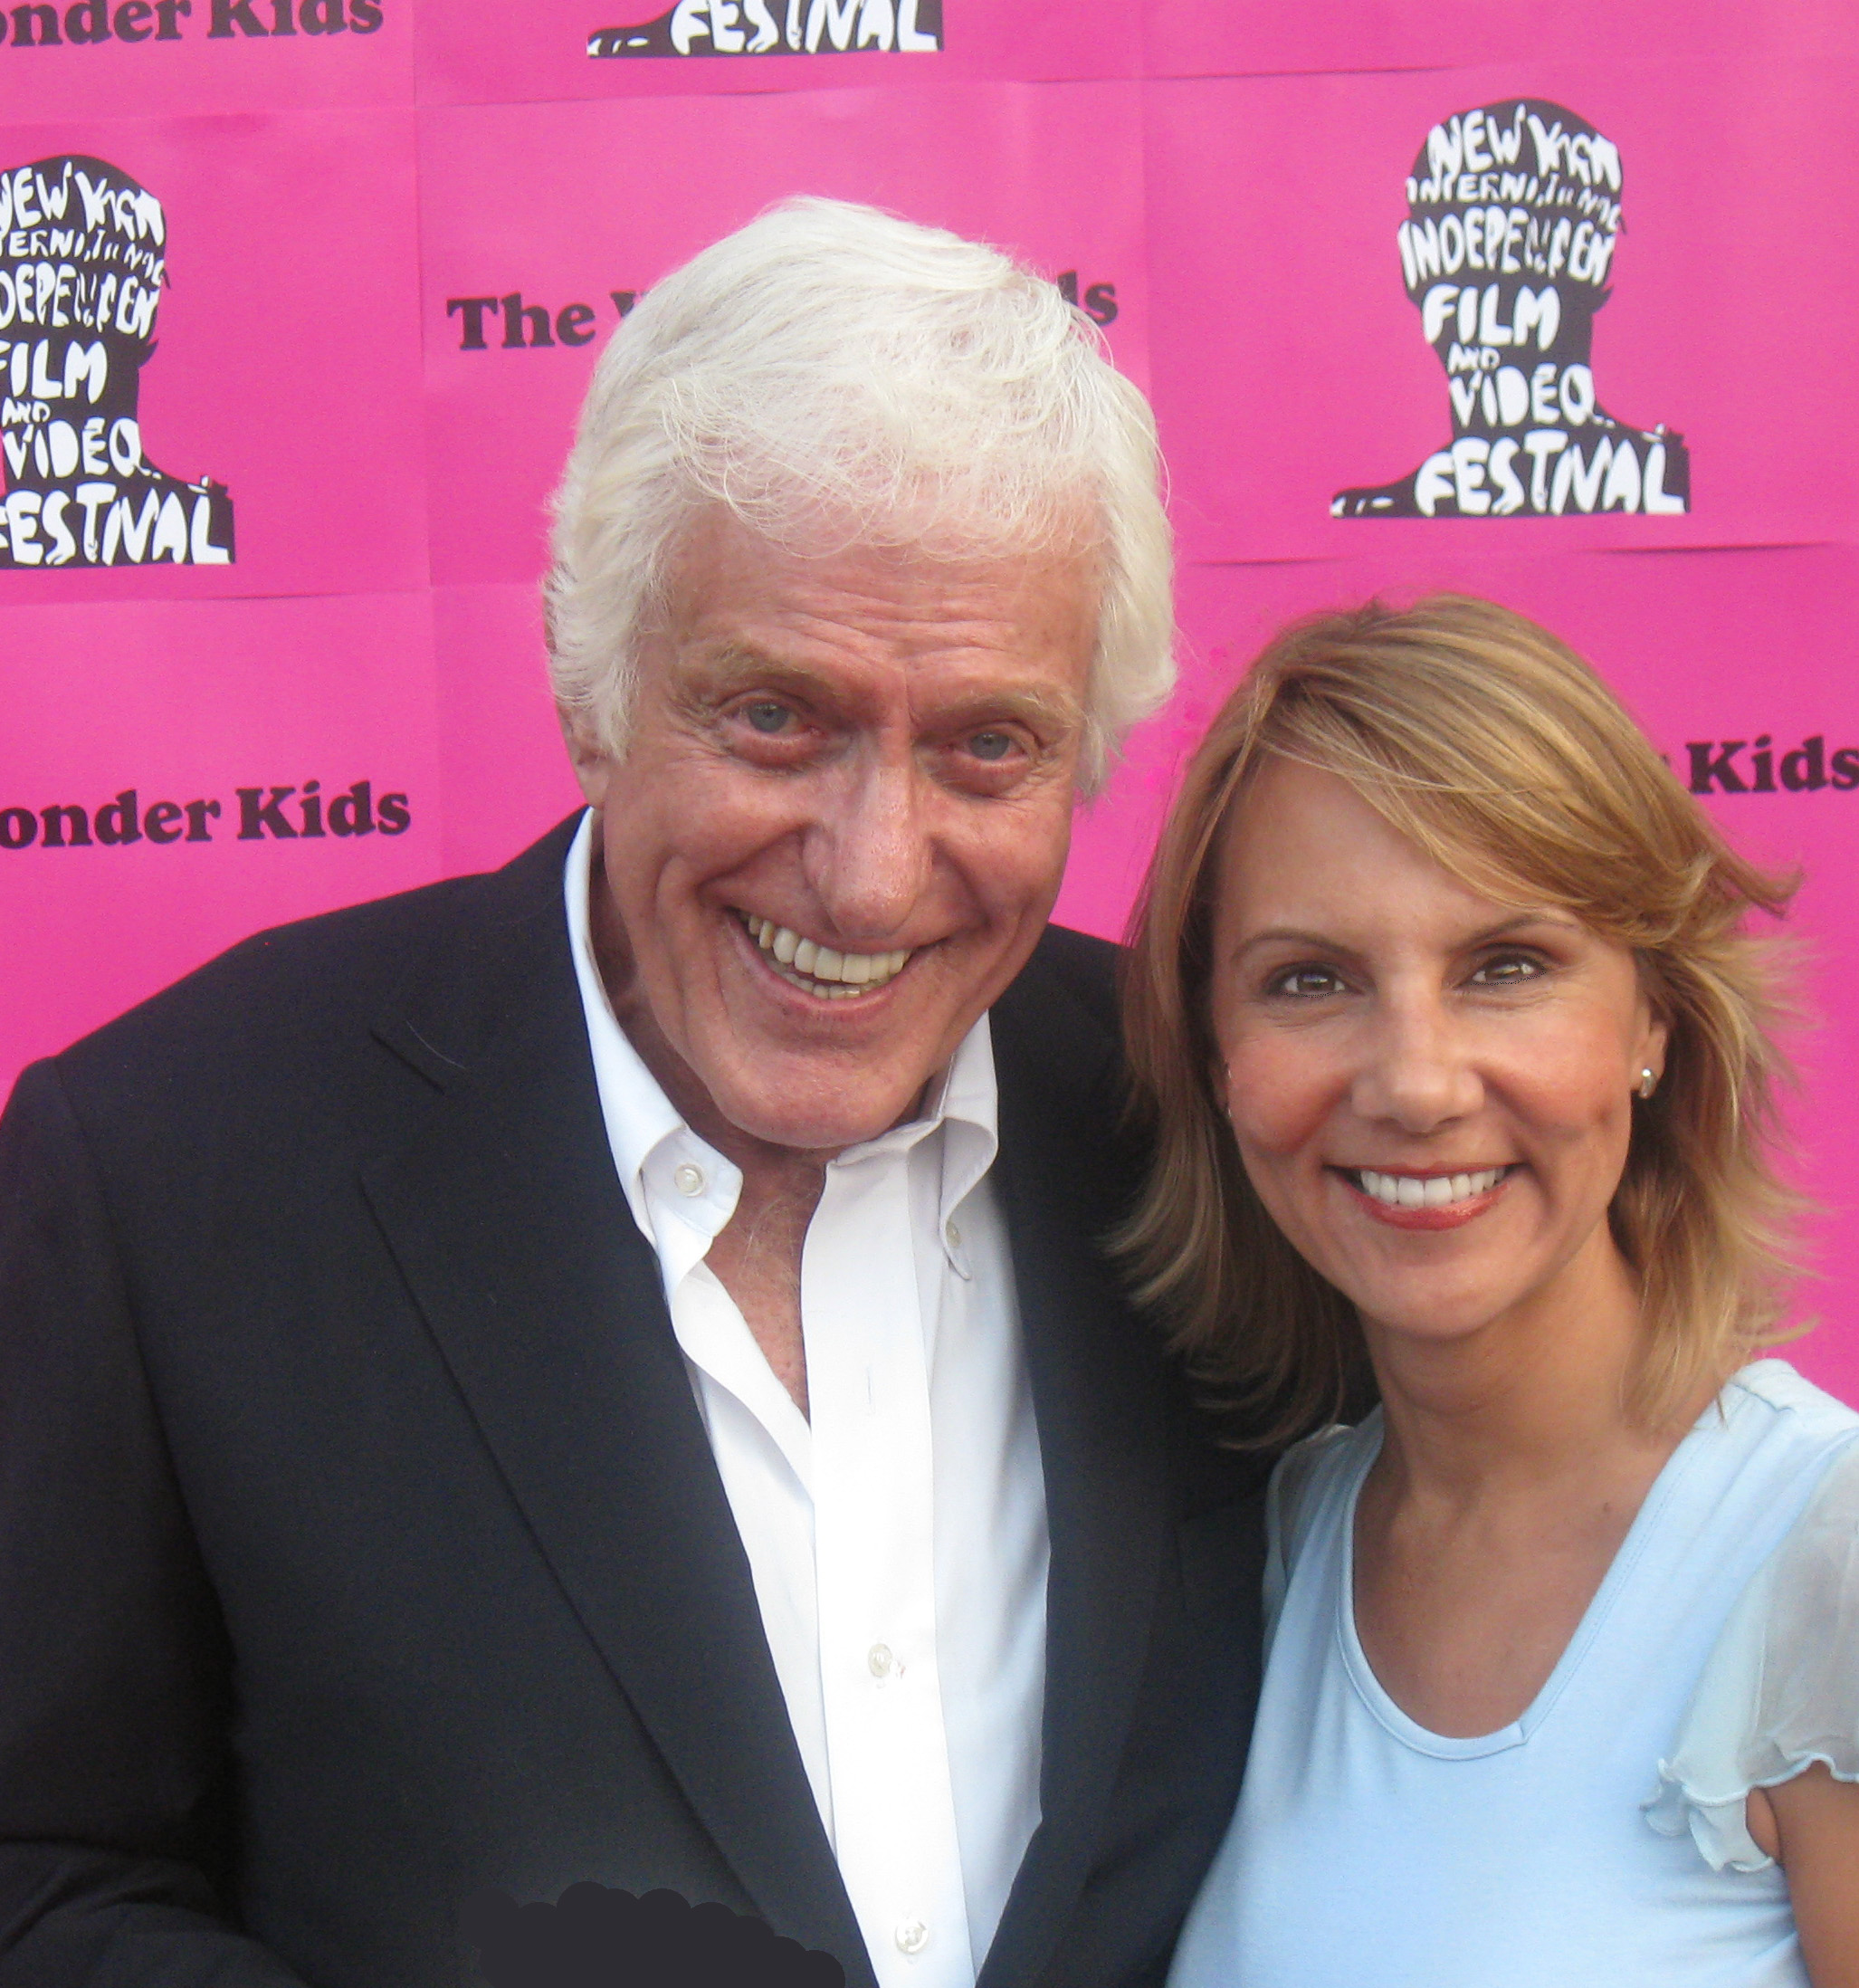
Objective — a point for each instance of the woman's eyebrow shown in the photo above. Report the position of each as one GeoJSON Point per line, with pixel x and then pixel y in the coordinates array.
{"type": "Point", "coordinates": [1519, 921]}
{"type": "Point", "coordinates": [1300, 935]}
{"type": "Point", "coordinates": [1290, 935]}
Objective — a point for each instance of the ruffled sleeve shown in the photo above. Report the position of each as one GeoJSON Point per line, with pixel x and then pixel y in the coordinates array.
{"type": "Point", "coordinates": [1782, 1689]}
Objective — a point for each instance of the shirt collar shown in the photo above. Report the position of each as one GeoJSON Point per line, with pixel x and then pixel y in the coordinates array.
{"type": "Point", "coordinates": [645, 1130]}
{"type": "Point", "coordinates": [963, 1103]}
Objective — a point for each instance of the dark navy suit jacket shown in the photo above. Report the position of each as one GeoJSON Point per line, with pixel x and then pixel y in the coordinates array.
{"type": "Point", "coordinates": [361, 1550]}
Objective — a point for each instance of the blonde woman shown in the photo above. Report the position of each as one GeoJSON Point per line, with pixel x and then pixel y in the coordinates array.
{"type": "Point", "coordinates": [1456, 1049]}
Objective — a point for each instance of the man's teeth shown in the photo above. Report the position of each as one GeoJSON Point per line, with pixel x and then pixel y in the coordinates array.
{"type": "Point", "coordinates": [1407, 1190]}
{"type": "Point", "coordinates": [830, 976]}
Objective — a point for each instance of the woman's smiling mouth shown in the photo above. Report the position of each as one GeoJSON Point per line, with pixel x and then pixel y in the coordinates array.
{"type": "Point", "coordinates": [1425, 1201]}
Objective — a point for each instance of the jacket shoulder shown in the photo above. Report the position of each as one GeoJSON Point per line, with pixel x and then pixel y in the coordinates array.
{"type": "Point", "coordinates": [1067, 993]}
{"type": "Point", "coordinates": [1058, 1056]}
{"type": "Point", "coordinates": [1090, 969]}
{"type": "Point", "coordinates": [260, 1006]}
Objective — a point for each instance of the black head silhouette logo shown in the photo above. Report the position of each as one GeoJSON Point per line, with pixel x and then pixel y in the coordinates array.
{"type": "Point", "coordinates": [81, 277]}
{"type": "Point", "coordinates": [777, 27]}
{"type": "Point", "coordinates": [592, 1937]}
{"type": "Point", "coordinates": [1513, 213]}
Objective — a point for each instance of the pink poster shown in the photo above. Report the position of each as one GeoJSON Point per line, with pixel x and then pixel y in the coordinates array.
{"type": "Point", "coordinates": [176, 775]}
{"type": "Point", "coordinates": [476, 52]}
{"type": "Point", "coordinates": [194, 58]}
{"type": "Point", "coordinates": [537, 238]}
{"type": "Point", "coordinates": [209, 339]}
{"type": "Point", "coordinates": [1263, 37]}
{"type": "Point", "coordinates": [1549, 307]}
{"type": "Point", "coordinates": [504, 776]}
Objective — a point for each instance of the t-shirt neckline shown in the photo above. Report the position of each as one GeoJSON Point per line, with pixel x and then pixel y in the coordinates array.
{"type": "Point", "coordinates": [1421, 1739]}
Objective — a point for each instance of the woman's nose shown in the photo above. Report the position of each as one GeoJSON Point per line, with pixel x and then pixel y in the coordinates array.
{"type": "Point", "coordinates": [1417, 1070]}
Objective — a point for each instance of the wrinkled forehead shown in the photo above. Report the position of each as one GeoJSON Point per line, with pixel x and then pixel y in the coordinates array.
{"type": "Point", "coordinates": [879, 639]}
{"type": "Point", "coordinates": [925, 521]}
{"type": "Point", "coordinates": [719, 567]}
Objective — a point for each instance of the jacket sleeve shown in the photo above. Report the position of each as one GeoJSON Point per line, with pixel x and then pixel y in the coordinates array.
{"type": "Point", "coordinates": [114, 1671]}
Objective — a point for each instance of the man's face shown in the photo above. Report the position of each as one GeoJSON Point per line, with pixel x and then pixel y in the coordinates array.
{"type": "Point", "coordinates": [840, 821]}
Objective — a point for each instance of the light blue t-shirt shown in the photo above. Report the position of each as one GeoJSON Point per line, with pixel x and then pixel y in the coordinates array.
{"type": "Point", "coordinates": [1368, 1852]}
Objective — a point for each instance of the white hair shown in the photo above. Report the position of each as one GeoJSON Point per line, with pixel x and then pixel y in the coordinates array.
{"type": "Point", "coordinates": [836, 378]}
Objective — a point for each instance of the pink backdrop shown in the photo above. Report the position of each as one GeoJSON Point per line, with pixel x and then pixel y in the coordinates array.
{"type": "Point", "coordinates": [1224, 179]}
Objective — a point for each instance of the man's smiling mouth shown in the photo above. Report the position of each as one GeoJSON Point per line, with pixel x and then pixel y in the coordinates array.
{"type": "Point", "coordinates": [826, 974]}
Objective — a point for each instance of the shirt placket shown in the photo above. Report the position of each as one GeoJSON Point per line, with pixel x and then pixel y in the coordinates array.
{"type": "Point", "coordinates": [872, 1479]}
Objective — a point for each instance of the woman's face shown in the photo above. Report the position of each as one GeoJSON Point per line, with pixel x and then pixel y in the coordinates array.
{"type": "Point", "coordinates": [1431, 1092]}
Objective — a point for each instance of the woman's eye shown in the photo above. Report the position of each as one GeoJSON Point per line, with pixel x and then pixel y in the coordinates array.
{"type": "Point", "coordinates": [766, 717]}
{"type": "Point", "coordinates": [991, 745]}
{"type": "Point", "coordinates": [1305, 983]}
{"type": "Point", "coordinates": [1507, 971]}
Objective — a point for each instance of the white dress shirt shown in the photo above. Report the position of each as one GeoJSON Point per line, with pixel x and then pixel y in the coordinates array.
{"type": "Point", "coordinates": [896, 1535]}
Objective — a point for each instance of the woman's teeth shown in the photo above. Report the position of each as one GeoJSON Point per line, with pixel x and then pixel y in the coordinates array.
{"type": "Point", "coordinates": [1440, 1190]}
{"type": "Point", "coordinates": [827, 975]}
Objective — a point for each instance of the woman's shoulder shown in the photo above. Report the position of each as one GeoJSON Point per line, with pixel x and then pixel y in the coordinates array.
{"type": "Point", "coordinates": [1781, 1690]}
{"type": "Point", "coordinates": [1312, 1480]}
{"type": "Point", "coordinates": [1313, 1472]}
{"type": "Point", "coordinates": [1764, 1441]}
{"type": "Point", "coordinates": [1784, 1405]}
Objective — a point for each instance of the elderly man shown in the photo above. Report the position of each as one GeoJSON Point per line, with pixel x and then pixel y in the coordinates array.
{"type": "Point", "coordinates": [605, 1371]}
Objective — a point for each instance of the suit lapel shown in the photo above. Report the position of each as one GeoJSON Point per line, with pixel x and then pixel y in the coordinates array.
{"type": "Point", "coordinates": [1098, 1403]}
{"type": "Point", "coordinates": [510, 1226]}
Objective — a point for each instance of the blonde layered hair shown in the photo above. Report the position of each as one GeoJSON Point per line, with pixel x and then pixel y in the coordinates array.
{"type": "Point", "coordinates": [1495, 749]}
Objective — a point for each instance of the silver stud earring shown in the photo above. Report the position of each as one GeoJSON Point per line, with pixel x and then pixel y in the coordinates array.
{"type": "Point", "coordinates": [1647, 1084]}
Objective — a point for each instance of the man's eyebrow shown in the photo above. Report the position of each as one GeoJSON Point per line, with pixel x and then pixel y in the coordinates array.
{"type": "Point", "coordinates": [1038, 707]}
{"type": "Point", "coordinates": [738, 667]}
{"type": "Point", "coordinates": [724, 671]}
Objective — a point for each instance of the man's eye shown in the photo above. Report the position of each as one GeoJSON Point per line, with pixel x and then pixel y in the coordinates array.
{"type": "Point", "coordinates": [767, 717]}
{"type": "Point", "coordinates": [991, 745]}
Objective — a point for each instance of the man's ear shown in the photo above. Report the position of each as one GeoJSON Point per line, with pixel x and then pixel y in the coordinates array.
{"type": "Point", "coordinates": [593, 767]}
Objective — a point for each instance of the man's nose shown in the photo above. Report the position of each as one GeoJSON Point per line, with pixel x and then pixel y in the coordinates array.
{"type": "Point", "coordinates": [1417, 1071]}
{"type": "Point", "coordinates": [868, 856]}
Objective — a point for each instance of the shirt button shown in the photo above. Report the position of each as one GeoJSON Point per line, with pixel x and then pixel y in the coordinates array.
{"type": "Point", "coordinates": [954, 1233]}
{"type": "Point", "coordinates": [687, 1179]}
{"type": "Point", "coordinates": [882, 1663]}
{"type": "Point", "coordinates": [912, 1935]}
